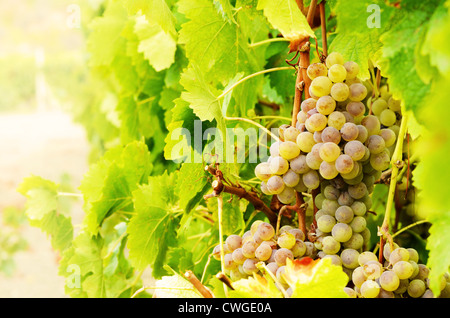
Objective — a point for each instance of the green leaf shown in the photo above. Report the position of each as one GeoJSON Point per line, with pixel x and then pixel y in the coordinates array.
{"type": "Point", "coordinates": [153, 229]}
{"type": "Point", "coordinates": [286, 16]}
{"type": "Point", "coordinates": [191, 181]}
{"type": "Point", "coordinates": [175, 286]}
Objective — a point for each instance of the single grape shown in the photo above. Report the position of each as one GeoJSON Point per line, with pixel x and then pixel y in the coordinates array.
{"type": "Point", "coordinates": [330, 245]}
{"type": "Point", "coordinates": [298, 165]}
{"type": "Point", "coordinates": [376, 144]}
{"type": "Point", "coordinates": [355, 242]}
{"type": "Point", "coordinates": [266, 231]}
{"type": "Point", "coordinates": [238, 256]}
{"type": "Point", "coordinates": [398, 254]}
{"type": "Point", "coordinates": [357, 191]}
{"type": "Point", "coordinates": [358, 276]}
{"type": "Point", "coordinates": [326, 105]}
{"type": "Point", "coordinates": [305, 141]}
{"type": "Point", "coordinates": [340, 92]}
{"type": "Point", "coordinates": [263, 252]}
{"type": "Point", "coordinates": [356, 109]}
{"type": "Point", "coordinates": [388, 117]}
{"type": "Point", "coordinates": [228, 262]}
{"type": "Point", "coordinates": [378, 106]}
{"type": "Point", "coordinates": [344, 214]}
{"type": "Point", "coordinates": [249, 266]}
{"type": "Point", "coordinates": [352, 69]}
{"type": "Point", "coordinates": [249, 248]}
{"type": "Point", "coordinates": [275, 184]}
{"type": "Point", "coordinates": [265, 189]}
{"type": "Point", "coordinates": [331, 192]}
{"type": "Point", "coordinates": [329, 152]}
{"type": "Point", "coordinates": [233, 242]}
{"type": "Point", "coordinates": [262, 171]}
{"type": "Point", "coordinates": [344, 164]}
{"type": "Point", "coordinates": [330, 206]}
{"type": "Point", "coordinates": [359, 208]}
{"type": "Point", "coordinates": [291, 178]}
{"type": "Point", "coordinates": [313, 160]}
{"type": "Point", "coordinates": [355, 149]}
{"type": "Point", "coordinates": [389, 280]}
{"type": "Point", "coordinates": [366, 256]}
{"type": "Point", "coordinates": [357, 92]}
{"type": "Point", "coordinates": [331, 134]}
{"type": "Point", "coordinates": [349, 131]}
{"type": "Point", "coordinates": [278, 165]}
{"type": "Point", "coordinates": [289, 150]}
{"type": "Point", "coordinates": [321, 86]}
{"type": "Point", "coordinates": [311, 179]}
{"type": "Point", "coordinates": [358, 224]}
{"type": "Point", "coordinates": [363, 133]}
{"type": "Point", "coordinates": [334, 58]}
{"type": "Point", "coordinates": [394, 104]}
{"type": "Point", "coordinates": [328, 170]}
{"type": "Point", "coordinates": [381, 161]}
{"type": "Point", "coordinates": [416, 288]}
{"type": "Point", "coordinates": [281, 255]}
{"type": "Point", "coordinates": [341, 232]}
{"type": "Point", "coordinates": [403, 269]}
{"type": "Point", "coordinates": [291, 133]}
{"type": "Point", "coordinates": [413, 255]}
{"type": "Point", "coordinates": [389, 136]}
{"type": "Point", "coordinates": [287, 196]}
{"type": "Point", "coordinates": [349, 258]}
{"type": "Point", "coordinates": [308, 104]}
{"type": "Point", "coordinates": [316, 69]}
{"type": "Point", "coordinates": [372, 124]}
{"type": "Point", "coordinates": [336, 119]}
{"type": "Point", "coordinates": [325, 223]}
{"type": "Point", "coordinates": [286, 240]}
{"type": "Point", "coordinates": [298, 234]}
{"type": "Point", "coordinates": [302, 116]}
{"type": "Point", "coordinates": [337, 73]}
{"type": "Point", "coordinates": [316, 122]}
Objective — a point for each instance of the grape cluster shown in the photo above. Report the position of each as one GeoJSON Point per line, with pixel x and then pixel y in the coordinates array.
{"type": "Point", "coordinates": [261, 244]}
{"type": "Point", "coordinates": [401, 275]}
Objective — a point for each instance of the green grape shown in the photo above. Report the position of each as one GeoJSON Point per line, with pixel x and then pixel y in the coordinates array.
{"type": "Point", "coordinates": [291, 178]}
{"type": "Point", "coordinates": [403, 269]}
{"type": "Point", "coordinates": [329, 152]}
{"type": "Point", "coordinates": [249, 266]}
{"type": "Point", "coordinates": [355, 149]}
{"type": "Point", "coordinates": [340, 92]}
{"type": "Point", "coordinates": [336, 119]}
{"type": "Point", "coordinates": [328, 170]}
{"type": "Point", "coordinates": [359, 208]}
{"type": "Point", "coordinates": [321, 86]}
{"type": "Point", "coordinates": [316, 122]}
{"type": "Point", "coordinates": [263, 252]}
{"type": "Point", "coordinates": [281, 255]}
{"type": "Point", "coordinates": [287, 196]}
{"type": "Point", "coordinates": [228, 262]}
{"type": "Point", "coordinates": [216, 252]}
{"type": "Point", "coordinates": [394, 104]}
{"type": "Point", "coordinates": [298, 234]}
{"type": "Point", "coordinates": [264, 188]}
{"type": "Point", "coordinates": [315, 70]}
{"type": "Point", "coordinates": [357, 92]}
{"type": "Point", "coordinates": [372, 124]}
{"type": "Point", "coordinates": [275, 184]}
{"type": "Point", "coordinates": [358, 191]}
{"type": "Point", "coordinates": [389, 280]}
{"type": "Point", "coordinates": [335, 259]}
{"type": "Point", "coordinates": [370, 289]}
{"type": "Point", "coordinates": [298, 164]}
{"type": "Point", "coordinates": [388, 117]}
{"type": "Point", "coordinates": [355, 242]}
{"type": "Point", "coordinates": [345, 198]}
{"type": "Point", "coordinates": [398, 254]}
{"type": "Point", "coordinates": [238, 256]}
{"type": "Point", "coordinates": [325, 105]}
{"type": "Point", "coordinates": [330, 206]}
{"type": "Point", "coordinates": [376, 144]}
{"type": "Point", "coordinates": [330, 245]}
{"type": "Point", "coordinates": [278, 165]}
{"type": "Point", "coordinates": [356, 109]}
{"type": "Point", "coordinates": [372, 269]}
{"type": "Point", "coordinates": [378, 106]}
{"type": "Point", "coordinates": [254, 226]}
{"type": "Point", "coordinates": [363, 134]}
{"type": "Point", "coordinates": [358, 276]}
{"type": "Point", "coordinates": [337, 73]}
{"type": "Point", "coordinates": [300, 187]}
{"type": "Point", "coordinates": [416, 288]}
{"type": "Point", "coordinates": [341, 232]}
{"type": "Point", "coordinates": [349, 257]}
{"type": "Point", "coordinates": [313, 160]}
{"type": "Point", "coordinates": [233, 242]}
{"type": "Point", "coordinates": [331, 192]}
{"type": "Point", "coordinates": [305, 141]}
{"type": "Point", "coordinates": [344, 164]}
{"type": "Point", "coordinates": [358, 224]}
{"type": "Point", "coordinates": [365, 257]}
{"type": "Point", "coordinates": [311, 179]}
{"type": "Point", "coordinates": [274, 149]}
{"type": "Point", "coordinates": [389, 136]}
{"type": "Point", "coordinates": [299, 248]}
{"type": "Point", "coordinates": [286, 240]}
{"type": "Point", "coordinates": [331, 134]}
{"type": "Point", "coordinates": [302, 116]}
{"type": "Point", "coordinates": [352, 69]}
{"type": "Point", "coordinates": [325, 223]}
{"type": "Point", "coordinates": [291, 133]}
{"type": "Point", "coordinates": [349, 131]}
{"type": "Point", "coordinates": [308, 104]}
{"type": "Point", "coordinates": [424, 272]}
{"type": "Point", "coordinates": [262, 171]}
{"type": "Point", "coordinates": [381, 161]}
{"type": "Point", "coordinates": [334, 58]}
{"type": "Point", "coordinates": [413, 255]}
{"type": "Point", "coordinates": [266, 231]}
{"type": "Point", "coordinates": [289, 150]}
{"type": "Point", "coordinates": [249, 248]}
{"type": "Point", "coordinates": [344, 214]}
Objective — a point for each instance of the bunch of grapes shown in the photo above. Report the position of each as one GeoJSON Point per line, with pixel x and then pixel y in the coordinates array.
{"type": "Point", "coordinates": [261, 244]}
{"type": "Point", "coordinates": [400, 276]}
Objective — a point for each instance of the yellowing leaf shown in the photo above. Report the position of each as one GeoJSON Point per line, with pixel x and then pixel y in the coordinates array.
{"type": "Point", "coordinates": [255, 286]}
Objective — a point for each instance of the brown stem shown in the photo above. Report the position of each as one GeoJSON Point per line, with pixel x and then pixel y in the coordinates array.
{"type": "Point", "coordinates": [198, 285]}
{"type": "Point", "coordinates": [274, 106]}
{"type": "Point", "coordinates": [323, 24]}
